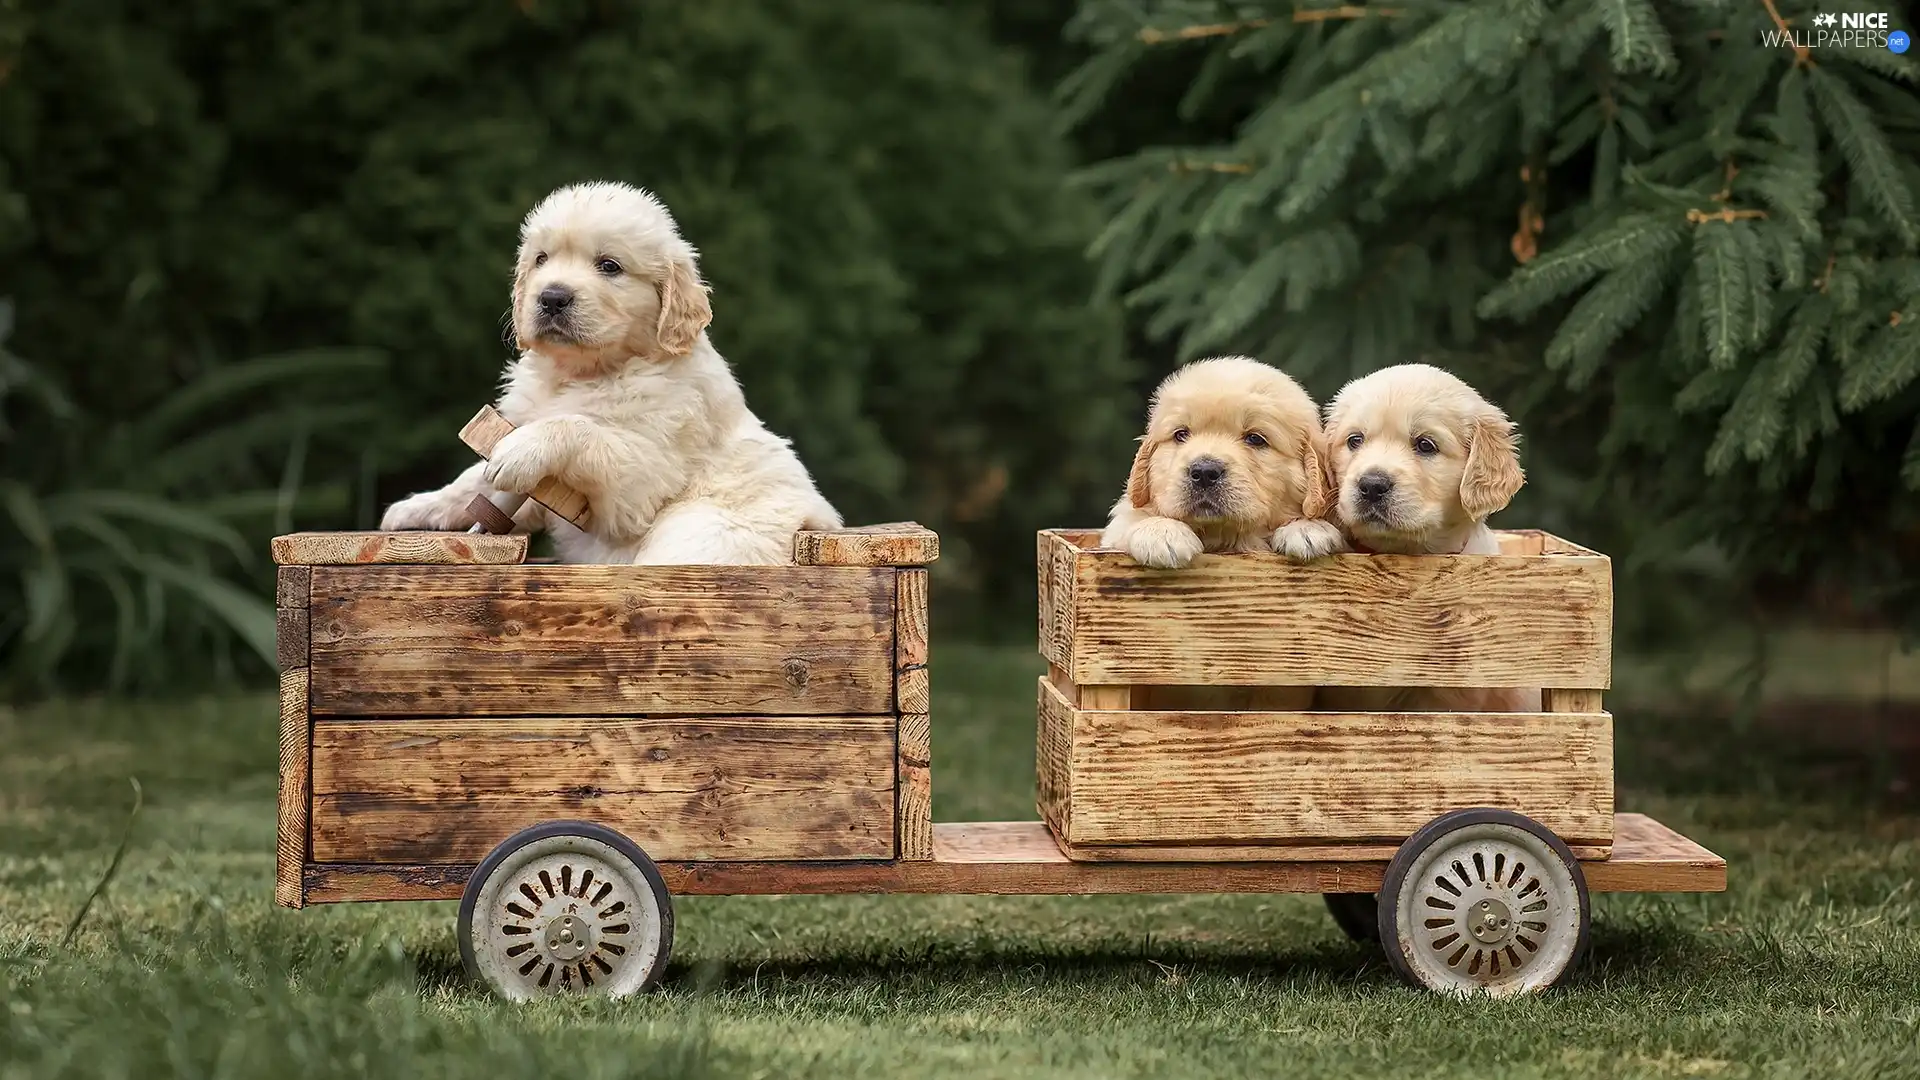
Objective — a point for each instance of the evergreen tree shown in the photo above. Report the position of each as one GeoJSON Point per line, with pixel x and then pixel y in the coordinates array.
{"type": "Point", "coordinates": [1683, 256]}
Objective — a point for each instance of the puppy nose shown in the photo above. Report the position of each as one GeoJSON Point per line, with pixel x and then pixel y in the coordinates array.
{"type": "Point", "coordinates": [555, 299]}
{"type": "Point", "coordinates": [1206, 471]}
{"type": "Point", "coordinates": [1374, 486]}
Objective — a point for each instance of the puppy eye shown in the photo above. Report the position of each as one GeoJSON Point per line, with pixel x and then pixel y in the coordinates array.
{"type": "Point", "coordinates": [1254, 439]}
{"type": "Point", "coordinates": [607, 267]}
{"type": "Point", "coordinates": [1424, 446]}
{"type": "Point", "coordinates": [1354, 440]}
{"type": "Point", "coordinates": [1181, 435]}
{"type": "Point", "coordinates": [540, 259]}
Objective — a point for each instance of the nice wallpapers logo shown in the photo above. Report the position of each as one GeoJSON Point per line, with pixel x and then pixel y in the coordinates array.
{"type": "Point", "coordinates": [1847, 30]}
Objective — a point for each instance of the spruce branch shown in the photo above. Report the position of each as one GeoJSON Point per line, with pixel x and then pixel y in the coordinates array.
{"type": "Point", "coordinates": [1155, 36]}
{"type": "Point", "coordinates": [1802, 56]}
{"type": "Point", "coordinates": [1888, 364]}
{"type": "Point", "coordinates": [1701, 217]}
{"type": "Point", "coordinates": [1871, 159]}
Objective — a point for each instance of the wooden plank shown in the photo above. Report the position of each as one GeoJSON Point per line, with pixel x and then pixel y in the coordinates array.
{"type": "Point", "coordinates": [1650, 857]}
{"type": "Point", "coordinates": [915, 786]}
{"type": "Point", "coordinates": [1020, 858]}
{"type": "Point", "coordinates": [1139, 854]}
{"type": "Point", "coordinates": [1350, 620]}
{"type": "Point", "coordinates": [398, 548]}
{"type": "Point", "coordinates": [290, 846]}
{"type": "Point", "coordinates": [290, 637]}
{"type": "Point", "coordinates": [1317, 780]}
{"type": "Point", "coordinates": [1053, 758]}
{"type": "Point", "coordinates": [484, 432]}
{"type": "Point", "coordinates": [292, 587]}
{"type": "Point", "coordinates": [1570, 701]}
{"type": "Point", "coordinates": [1056, 598]}
{"type": "Point", "coordinates": [912, 688]}
{"type": "Point", "coordinates": [1106, 697]}
{"type": "Point", "coordinates": [902, 543]}
{"type": "Point", "coordinates": [615, 640]}
{"type": "Point", "coordinates": [448, 791]}
{"type": "Point", "coordinates": [1529, 542]}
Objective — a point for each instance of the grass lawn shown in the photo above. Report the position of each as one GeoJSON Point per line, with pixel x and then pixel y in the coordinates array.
{"type": "Point", "coordinates": [1810, 966]}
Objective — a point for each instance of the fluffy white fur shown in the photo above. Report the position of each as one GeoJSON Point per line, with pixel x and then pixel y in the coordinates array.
{"type": "Point", "coordinates": [620, 394]}
{"type": "Point", "coordinates": [1261, 431]}
{"type": "Point", "coordinates": [1438, 459]}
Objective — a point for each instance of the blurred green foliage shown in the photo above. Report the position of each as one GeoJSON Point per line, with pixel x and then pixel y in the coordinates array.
{"type": "Point", "coordinates": [880, 202]}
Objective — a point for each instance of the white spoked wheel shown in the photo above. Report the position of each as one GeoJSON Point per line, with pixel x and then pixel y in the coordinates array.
{"type": "Point", "coordinates": [1484, 902]}
{"type": "Point", "coordinates": [566, 907]}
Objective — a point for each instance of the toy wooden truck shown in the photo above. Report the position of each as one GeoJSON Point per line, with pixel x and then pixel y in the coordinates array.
{"type": "Point", "coordinates": [565, 748]}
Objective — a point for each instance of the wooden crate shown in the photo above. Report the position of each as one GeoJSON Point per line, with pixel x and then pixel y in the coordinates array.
{"type": "Point", "coordinates": [438, 694]}
{"type": "Point", "coordinates": [1122, 777]}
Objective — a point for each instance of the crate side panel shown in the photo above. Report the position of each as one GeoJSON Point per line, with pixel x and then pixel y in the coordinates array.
{"type": "Point", "coordinates": [1316, 778]}
{"type": "Point", "coordinates": [615, 640]}
{"type": "Point", "coordinates": [1052, 755]}
{"type": "Point", "coordinates": [447, 791]}
{"type": "Point", "coordinates": [1353, 620]}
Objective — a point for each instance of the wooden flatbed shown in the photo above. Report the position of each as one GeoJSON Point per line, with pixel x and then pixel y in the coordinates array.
{"type": "Point", "coordinates": [1021, 858]}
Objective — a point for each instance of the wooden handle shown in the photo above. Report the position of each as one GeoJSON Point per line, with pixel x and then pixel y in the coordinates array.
{"type": "Point", "coordinates": [485, 431]}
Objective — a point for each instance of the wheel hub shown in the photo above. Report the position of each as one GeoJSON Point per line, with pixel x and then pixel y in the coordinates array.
{"type": "Point", "coordinates": [567, 938]}
{"type": "Point", "coordinates": [1490, 922]}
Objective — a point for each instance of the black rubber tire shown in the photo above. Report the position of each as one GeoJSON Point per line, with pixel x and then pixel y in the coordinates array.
{"type": "Point", "coordinates": [1438, 828]}
{"type": "Point", "coordinates": [1355, 913]}
{"type": "Point", "coordinates": [470, 896]}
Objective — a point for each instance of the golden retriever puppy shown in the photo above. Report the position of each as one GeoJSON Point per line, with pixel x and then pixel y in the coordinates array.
{"type": "Point", "coordinates": [1419, 461]}
{"type": "Point", "coordinates": [1232, 460]}
{"type": "Point", "coordinates": [618, 392]}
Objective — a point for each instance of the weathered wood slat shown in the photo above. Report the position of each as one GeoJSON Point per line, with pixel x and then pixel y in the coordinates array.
{"type": "Point", "coordinates": [397, 548]}
{"type": "Point", "coordinates": [484, 432]}
{"type": "Point", "coordinates": [293, 587]}
{"type": "Point", "coordinates": [1315, 780]}
{"type": "Point", "coordinates": [1351, 620]}
{"type": "Point", "coordinates": [915, 792]}
{"type": "Point", "coordinates": [295, 787]}
{"type": "Point", "coordinates": [615, 640]}
{"type": "Point", "coordinates": [899, 544]}
{"type": "Point", "coordinates": [433, 791]}
{"type": "Point", "coordinates": [913, 688]}
{"type": "Point", "coordinates": [1019, 857]}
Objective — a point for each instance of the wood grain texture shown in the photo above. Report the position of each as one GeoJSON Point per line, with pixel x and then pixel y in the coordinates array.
{"type": "Point", "coordinates": [1053, 757]}
{"type": "Point", "coordinates": [902, 543]}
{"type": "Point", "coordinates": [290, 637]}
{"type": "Point", "coordinates": [484, 432]}
{"type": "Point", "coordinates": [398, 548]}
{"type": "Point", "coordinates": [1570, 701]}
{"type": "Point", "coordinates": [1020, 858]}
{"type": "Point", "coordinates": [293, 586]}
{"type": "Point", "coordinates": [914, 792]}
{"type": "Point", "coordinates": [296, 775]}
{"type": "Point", "coordinates": [1351, 620]}
{"type": "Point", "coordinates": [1057, 555]}
{"type": "Point", "coordinates": [912, 685]}
{"type": "Point", "coordinates": [762, 788]}
{"type": "Point", "coordinates": [1321, 780]}
{"type": "Point", "coordinates": [614, 640]}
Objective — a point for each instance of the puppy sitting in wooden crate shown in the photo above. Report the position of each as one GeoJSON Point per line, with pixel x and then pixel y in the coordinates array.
{"type": "Point", "coordinates": [1232, 460]}
{"type": "Point", "coordinates": [1420, 460]}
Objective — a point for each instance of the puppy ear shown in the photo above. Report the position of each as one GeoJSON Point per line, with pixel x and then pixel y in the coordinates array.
{"type": "Point", "coordinates": [1140, 479]}
{"type": "Point", "coordinates": [684, 308]}
{"type": "Point", "coordinates": [519, 294]}
{"type": "Point", "coordinates": [1493, 475]}
{"type": "Point", "coordinates": [1318, 498]}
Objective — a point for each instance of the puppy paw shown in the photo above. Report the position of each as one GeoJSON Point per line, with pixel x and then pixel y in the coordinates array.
{"type": "Point", "coordinates": [520, 461]}
{"type": "Point", "coordinates": [423, 511]}
{"type": "Point", "coordinates": [1308, 539]}
{"type": "Point", "coordinates": [1163, 543]}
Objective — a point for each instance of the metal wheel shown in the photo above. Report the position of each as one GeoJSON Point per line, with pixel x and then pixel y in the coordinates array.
{"type": "Point", "coordinates": [566, 907]}
{"type": "Point", "coordinates": [1356, 913]}
{"type": "Point", "coordinates": [1484, 901]}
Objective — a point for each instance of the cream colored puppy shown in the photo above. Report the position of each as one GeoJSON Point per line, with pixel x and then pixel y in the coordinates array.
{"type": "Point", "coordinates": [1232, 460]}
{"type": "Point", "coordinates": [1420, 460]}
{"type": "Point", "coordinates": [618, 392]}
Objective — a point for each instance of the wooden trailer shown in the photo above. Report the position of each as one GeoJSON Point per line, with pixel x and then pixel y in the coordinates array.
{"type": "Point", "coordinates": [566, 748]}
